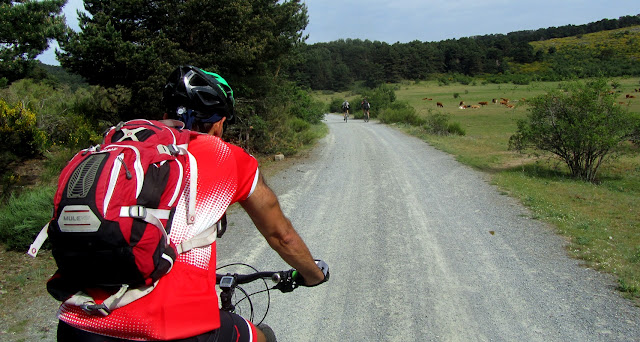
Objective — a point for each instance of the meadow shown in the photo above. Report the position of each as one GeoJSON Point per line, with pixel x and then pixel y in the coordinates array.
{"type": "Point", "coordinates": [601, 222]}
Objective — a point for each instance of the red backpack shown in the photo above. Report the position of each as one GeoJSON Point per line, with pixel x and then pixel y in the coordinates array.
{"type": "Point", "coordinates": [113, 210]}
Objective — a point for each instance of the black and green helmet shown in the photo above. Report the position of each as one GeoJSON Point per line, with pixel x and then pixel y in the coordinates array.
{"type": "Point", "coordinates": [192, 94]}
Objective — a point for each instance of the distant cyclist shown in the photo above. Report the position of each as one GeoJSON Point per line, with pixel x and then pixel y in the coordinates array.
{"type": "Point", "coordinates": [345, 109]}
{"type": "Point", "coordinates": [365, 109]}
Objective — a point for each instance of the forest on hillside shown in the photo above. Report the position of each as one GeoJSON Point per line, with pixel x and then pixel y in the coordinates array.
{"type": "Point", "coordinates": [497, 57]}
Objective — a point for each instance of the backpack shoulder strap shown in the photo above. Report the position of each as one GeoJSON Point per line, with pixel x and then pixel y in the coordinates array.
{"type": "Point", "coordinates": [37, 243]}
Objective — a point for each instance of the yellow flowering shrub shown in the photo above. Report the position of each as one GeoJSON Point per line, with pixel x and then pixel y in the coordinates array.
{"type": "Point", "coordinates": [19, 133]}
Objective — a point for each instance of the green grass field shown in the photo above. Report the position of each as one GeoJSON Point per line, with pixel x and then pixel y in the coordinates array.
{"type": "Point", "coordinates": [601, 222]}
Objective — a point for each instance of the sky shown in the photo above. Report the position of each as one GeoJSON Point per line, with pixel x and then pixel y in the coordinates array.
{"type": "Point", "coordinates": [431, 20]}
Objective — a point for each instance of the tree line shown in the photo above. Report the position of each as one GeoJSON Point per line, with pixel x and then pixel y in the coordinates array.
{"type": "Point", "coordinates": [338, 64]}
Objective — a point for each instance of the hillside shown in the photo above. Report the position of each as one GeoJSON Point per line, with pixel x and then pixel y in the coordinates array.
{"type": "Point", "coordinates": [624, 41]}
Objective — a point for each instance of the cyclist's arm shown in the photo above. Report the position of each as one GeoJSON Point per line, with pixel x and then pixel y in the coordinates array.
{"type": "Point", "coordinates": [264, 209]}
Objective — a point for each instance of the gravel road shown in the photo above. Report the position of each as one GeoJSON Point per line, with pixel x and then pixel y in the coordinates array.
{"type": "Point", "coordinates": [423, 248]}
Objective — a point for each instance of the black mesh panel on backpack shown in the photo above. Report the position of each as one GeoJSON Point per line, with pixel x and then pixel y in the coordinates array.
{"type": "Point", "coordinates": [89, 259]}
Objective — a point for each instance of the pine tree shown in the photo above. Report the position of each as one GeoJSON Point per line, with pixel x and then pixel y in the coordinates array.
{"type": "Point", "coordinates": [136, 44]}
{"type": "Point", "coordinates": [27, 28]}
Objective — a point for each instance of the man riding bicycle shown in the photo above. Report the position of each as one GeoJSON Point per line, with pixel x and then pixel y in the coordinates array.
{"type": "Point", "coordinates": [365, 109]}
{"type": "Point", "coordinates": [345, 109]}
{"type": "Point", "coordinates": [184, 304]}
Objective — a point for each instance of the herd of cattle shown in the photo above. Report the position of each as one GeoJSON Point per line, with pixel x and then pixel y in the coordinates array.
{"type": "Point", "coordinates": [462, 105]}
{"type": "Point", "coordinates": [506, 102]}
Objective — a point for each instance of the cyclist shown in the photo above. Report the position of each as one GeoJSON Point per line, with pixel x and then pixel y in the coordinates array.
{"type": "Point", "coordinates": [184, 305]}
{"type": "Point", "coordinates": [345, 109]}
{"type": "Point", "coordinates": [365, 109]}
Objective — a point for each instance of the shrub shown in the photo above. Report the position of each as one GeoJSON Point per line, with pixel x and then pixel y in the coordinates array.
{"type": "Point", "coordinates": [456, 128]}
{"type": "Point", "coordinates": [336, 105]}
{"type": "Point", "coordinates": [437, 124]}
{"type": "Point", "coordinates": [23, 217]}
{"type": "Point", "coordinates": [400, 112]}
{"type": "Point", "coordinates": [380, 98]}
{"type": "Point", "coordinates": [580, 123]}
{"type": "Point", "coordinates": [18, 131]}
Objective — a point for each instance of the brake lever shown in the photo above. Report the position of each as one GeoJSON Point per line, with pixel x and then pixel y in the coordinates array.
{"type": "Point", "coordinates": [287, 282]}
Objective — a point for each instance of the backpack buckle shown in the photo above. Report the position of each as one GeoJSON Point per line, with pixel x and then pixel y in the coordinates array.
{"type": "Point", "coordinates": [138, 211]}
{"type": "Point", "coordinates": [93, 309]}
{"type": "Point", "coordinates": [173, 149]}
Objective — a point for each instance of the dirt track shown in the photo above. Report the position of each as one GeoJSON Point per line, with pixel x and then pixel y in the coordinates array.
{"type": "Point", "coordinates": [420, 248]}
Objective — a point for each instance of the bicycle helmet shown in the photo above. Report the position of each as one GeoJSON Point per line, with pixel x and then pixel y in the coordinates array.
{"type": "Point", "coordinates": [193, 94]}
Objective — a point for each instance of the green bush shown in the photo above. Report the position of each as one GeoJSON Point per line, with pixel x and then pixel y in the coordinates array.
{"type": "Point", "coordinates": [379, 98]}
{"type": "Point", "coordinates": [580, 123]}
{"type": "Point", "coordinates": [437, 124]}
{"type": "Point", "coordinates": [456, 129]}
{"type": "Point", "coordinates": [400, 112]}
{"type": "Point", "coordinates": [276, 123]}
{"type": "Point", "coordinates": [336, 105]}
{"type": "Point", "coordinates": [298, 125]}
{"type": "Point", "coordinates": [23, 216]}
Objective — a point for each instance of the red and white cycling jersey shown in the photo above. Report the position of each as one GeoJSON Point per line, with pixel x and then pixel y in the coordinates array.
{"type": "Point", "coordinates": [184, 302]}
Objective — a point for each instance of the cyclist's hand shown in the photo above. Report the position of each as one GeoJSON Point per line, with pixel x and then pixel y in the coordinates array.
{"type": "Point", "coordinates": [323, 267]}
{"type": "Point", "coordinates": [291, 279]}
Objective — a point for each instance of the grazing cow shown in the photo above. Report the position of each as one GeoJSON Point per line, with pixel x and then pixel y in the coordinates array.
{"type": "Point", "coordinates": [426, 98]}
{"type": "Point", "coordinates": [483, 103]}
{"type": "Point", "coordinates": [503, 102]}
{"type": "Point", "coordinates": [503, 99]}
{"type": "Point", "coordinates": [510, 106]}
{"type": "Point", "coordinates": [475, 106]}
{"type": "Point", "coordinates": [494, 101]}
{"type": "Point", "coordinates": [629, 96]}
{"type": "Point", "coordinates": [439, 104]}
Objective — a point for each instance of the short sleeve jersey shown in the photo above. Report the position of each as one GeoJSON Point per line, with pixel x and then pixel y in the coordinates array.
{"type": "Point", "coordinates": [184, 302]}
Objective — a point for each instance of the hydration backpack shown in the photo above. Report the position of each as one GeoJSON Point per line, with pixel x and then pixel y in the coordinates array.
{"type": "Point", "coordinates": [113, 211]}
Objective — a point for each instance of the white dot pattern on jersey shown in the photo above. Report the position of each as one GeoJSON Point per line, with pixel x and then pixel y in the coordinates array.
{"type": "Point", "coordinates": [122, 327]}
{"type": "Point", "coordinates": [212, 202]}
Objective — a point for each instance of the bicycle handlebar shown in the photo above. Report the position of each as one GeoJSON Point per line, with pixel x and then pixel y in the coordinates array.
{"type": "Point", "coordinates": [286, 281]}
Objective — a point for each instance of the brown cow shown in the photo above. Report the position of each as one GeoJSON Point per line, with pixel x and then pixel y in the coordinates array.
{"type": "Point", "coordinates": [474, 106]}
{"type": "Point", "coordinates": [629, 96]}
{"type": "Point", "coordinates": [483, 103]}
{"type": "Point", "coordinates": [439, 104]}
